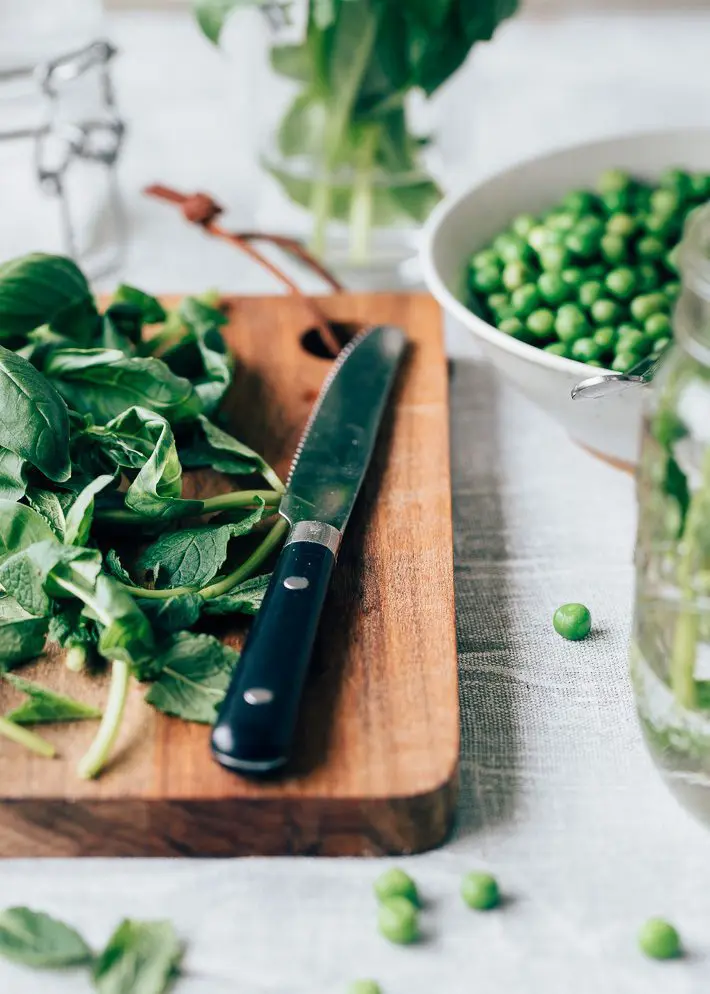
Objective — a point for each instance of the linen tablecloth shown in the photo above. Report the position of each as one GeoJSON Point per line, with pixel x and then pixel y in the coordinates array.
{"type": "Point", "coordinates": [558, 798]}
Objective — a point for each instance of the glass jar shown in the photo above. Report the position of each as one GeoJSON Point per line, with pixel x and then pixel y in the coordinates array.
{"type": "Point", "coordinates": [670, 653]}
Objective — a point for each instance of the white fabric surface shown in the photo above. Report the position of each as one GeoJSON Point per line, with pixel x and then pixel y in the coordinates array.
{"type": "Point", "coordinates": [558, 796]}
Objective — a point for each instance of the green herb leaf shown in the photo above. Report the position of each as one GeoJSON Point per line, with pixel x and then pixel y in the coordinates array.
{"type": "Point", "coordinates": [22, 637]}
{"type": "Point", "coordinates": [140, 958]}
{"type": "Point", "coordinates": [245, 598]}
{"type": "Point", "coordinates": [191, 557]}
{"type": "Point", "coordinates": [113, 565]}
{"type": "Point", "coordinates": [293, 62]}
{"type": "Point", "coordinates": [51, 506]}
{"type": "Point", "coordinates": [170, 615]}
{"type": "Point", "coordinates": [45, 705]}
{"type": "Point", "coordinates": [194, 676]}
{"type": "Point", "coordinates": [204, 444]}
{"type": "Point", "coordinates": [28, 575]}
{"type": "Point", "coordinates": [126, 633]}
{"type": "Point", "coordinates": [150, 307]}
{"type": "Point", "coordinates": [104, 382]}
{"type": "Point", "coordinates": [81, 513]}
{"type": "Point", "coordinates": [35, 423]}
{"type": "Point", "coordinates": [35, 939]}
{"type": "Point", "coordinates": [121, 328]}
{"type": "Point", "coordinates": [20, 527]}
{"type": "Point", "coordinates": [35, 289]}
{"type": "Point", "coordinates": [202, 355]}
{"type": "Point", "coordinates": [13, 482]}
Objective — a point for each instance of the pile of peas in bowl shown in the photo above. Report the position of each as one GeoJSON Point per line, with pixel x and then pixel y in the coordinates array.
{"type": "Point", "coordinates": [593, 279]}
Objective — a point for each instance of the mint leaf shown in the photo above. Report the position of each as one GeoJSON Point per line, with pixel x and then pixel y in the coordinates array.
{"type": "Point", "coordinates": [172, 614]}
{"type": "Point", "coordinates": [245, 598]}
{"type": "Point", "coordinates": [22, 637]}
{"type": "Point", "coordinates": [36, 939]}
{"type": "Point", "coordinates": [140, 958]}
{"type": "Point", "coordinates": [195, 673]}
{"type": "Point", "coordinates": [45, 705]}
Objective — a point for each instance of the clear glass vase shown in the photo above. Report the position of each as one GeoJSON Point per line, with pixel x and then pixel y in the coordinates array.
{"type": "Point", "coordinates": [670, 653]}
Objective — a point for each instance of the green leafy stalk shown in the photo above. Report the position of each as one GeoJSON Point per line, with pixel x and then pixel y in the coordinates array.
{"type": "Point", "coordinates": [22, 736]}
{"type": "Point", "coordinates": [238, 499]}
{"type": "Point", "coordinates": [95, 758]}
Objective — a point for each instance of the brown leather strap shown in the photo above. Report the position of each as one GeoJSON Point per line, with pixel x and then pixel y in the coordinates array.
{"type": "Point", "coordinates": [200, 208]}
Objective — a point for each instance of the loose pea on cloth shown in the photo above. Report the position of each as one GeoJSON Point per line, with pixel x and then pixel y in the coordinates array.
{"type": "Point", "coordinates": [558, 797]}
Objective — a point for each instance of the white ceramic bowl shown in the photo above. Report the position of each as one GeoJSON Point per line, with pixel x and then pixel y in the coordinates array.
{"type": "Point", "coordinates": [462, 224]}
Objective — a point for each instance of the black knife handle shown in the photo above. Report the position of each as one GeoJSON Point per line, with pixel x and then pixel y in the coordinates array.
{"type": "Point", "coordinates": [255, 727]}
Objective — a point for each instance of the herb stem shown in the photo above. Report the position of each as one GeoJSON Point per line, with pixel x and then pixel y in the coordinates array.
{"type": "Point", "coordinates": [75, 659]}
{"type": "Point", "coordinates": [27, 739]}
{"type": "Point", "coordinates": [248, 499]}
{"type": "Point", "coordinates": [94, 760]}
{"type": "Point", "coordinates": [250, 565]}
{"type": "Point", "coordinates": [156, 593]}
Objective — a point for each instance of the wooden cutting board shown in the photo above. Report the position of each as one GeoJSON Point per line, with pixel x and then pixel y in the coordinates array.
{"type": "Point", "coordinates": [377, 749]}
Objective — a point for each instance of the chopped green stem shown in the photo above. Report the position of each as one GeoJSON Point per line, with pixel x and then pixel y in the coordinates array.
{"type": "Point", "coordinates": [247, 499]}
{"type": "Point", "coordinates": [99, 750]}
{"type": "Point", "coordinates": [75, 659]}
{"type": "Point", "coordinates": [27, 739]}
{"type": "Point", "coordinates": [272, 540]}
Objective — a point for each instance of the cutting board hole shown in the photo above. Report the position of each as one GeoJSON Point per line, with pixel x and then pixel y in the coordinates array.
{"type": "Point", "coordinates": [312, 342]}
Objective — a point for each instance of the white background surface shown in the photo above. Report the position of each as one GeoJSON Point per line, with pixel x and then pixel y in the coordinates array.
{"type": "Point", "coordinates": [559, 798]}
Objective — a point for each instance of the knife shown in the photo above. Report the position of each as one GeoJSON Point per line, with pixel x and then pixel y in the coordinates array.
{"type": "Point", "coordinates": [255, 726]}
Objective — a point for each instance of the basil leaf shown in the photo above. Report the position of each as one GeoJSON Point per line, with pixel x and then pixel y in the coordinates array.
{"type": "Point", "coordinates": [191, 557]}
{"type": "Point", "coordinates": [150, 308]}
{"type": "Point", "coordinates": [126, 633]}
{"type": "Point", "coordinates": [45, 705]}
{"type": "Point", "coordinates": [156, 490]}
{"type": "Point", "coordinates": [121, 328]}
{"type": "Point", "coordinates": [34, 423]}
{"type": "Point", "coordinates": [140, 958]}
{"type": "Point", "coordinates": [172, 614]}
{"type": "Point", "coordinates": [81, 513]}
{"type": "Point", "coordinates": [204, 444]}
{"type": "Point", "coordinates": [35, 939]}
{"type": "Point", "coordinates": [13, 482]}
{"type": "Point", "coordinates": [245, 598]}
{"type": "Point", "coordinates": [51, 506]}
{"type": "Point", "coordinates": [22, 637]}
{"type": "Point", "coordinates": [30, 575]}
{"type": "Point", "coordinates": [20, 527]}
{"type": "Point", "coordinates": [202, 355]}
{"type": "Point", "coordinates": [79, 322]}
{"type": "Point", "coordinates": [35, 289]}
{"type": "Point", "coordinates": [104, 382]}
{"type": "Point", "coordinates": [194, 676]}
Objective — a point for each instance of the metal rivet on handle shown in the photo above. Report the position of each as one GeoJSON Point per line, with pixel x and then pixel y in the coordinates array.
{"type": "Point", "coordinates": [258, 695]}
{"type": "Point", "coordinates": [295, 583]}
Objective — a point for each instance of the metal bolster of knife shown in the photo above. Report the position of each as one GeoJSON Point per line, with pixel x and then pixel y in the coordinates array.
{"type": "Point", "coordinates": [318, 532]}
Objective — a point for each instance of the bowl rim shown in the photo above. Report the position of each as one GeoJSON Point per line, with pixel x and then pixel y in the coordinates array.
{"type": "Point", "coordinates": [452, 202]}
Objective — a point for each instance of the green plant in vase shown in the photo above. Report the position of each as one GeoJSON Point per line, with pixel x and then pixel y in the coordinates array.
{"type": "Point", "coordinates": [356, 65]}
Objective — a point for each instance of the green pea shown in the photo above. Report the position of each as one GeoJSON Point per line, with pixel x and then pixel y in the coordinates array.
{"type": "Point", "coordinates": [606, 311]}
{"type": "Point", "coordinates": [624, 361]}
{"type": "Point", "coordinates": [486, 279]}
{"type": "Point", "coordinates": [672, 259]}
{"type": "Point", "coordinates": [398, 921]}
{"type": "Point", "coordinates": [650, 303]}
{"type": "Point", "coordinates": [572, 621]}
{"type": "Point", "coordinates": [661, 226]}
{"type": "Point", "coordinates": [614, 249]}
{"type": "Point", "coordinates": [616, 201]}
{"type": "Point", "coordinates": [595, 362]}
{"type": "Point", "coordinates": [484, 259]}
{"type": "Point", "coordinates": [658, 326]}
{"type": "Point", "coordinates": [553, 257]}
{"type": "Point", "coordinates": [660, 345]}
{"type": "Point", "coordinates": [515, 275]}
{"type": "Point", "coordinates": [605, 338]}
{"type": "Point", "coordinates": [572, 275]}
{"type": "Point", "coordinates": [621, 224]}
{"type": "Point", "coordinates": [613, 180]}
{"type": "Point", "coordinates": [672, 290]}
{"type": "Point", "coordinates": [647, 277]}
{"type": "Point", "coordinates": [590, 292]}
{"type": "Point", "coordinates": [633, 341]}
{"type": "Point", "coordinates": [541, 236]}
{"type": "Point", "coordinates": [621, 282]}
{"type": "Point", "coordinates": [523, 224]}
{"type": "Point", "coordinates": [553, 289]}
{"type": "Point", "coordinates": [557, 348]}
{"type": "Point", "coordinates": [524, 300]}
{"type": "Point", "coordinates": [699, 186]}
{"type": "Point", "coordinates": [503, 241]}
{"type": "Point", "coordinates": [650, 247]}
{"type": "Point", "coordinates": [659, 939]}
{"type": "Point", "coordinates": [514, 328]}
{"type": "Point", "coordinates": [562, 221]}
{"type": "Point", "coordinates": [585, 349]}
{"type": "Point", "coordinates": [579, 202]}
{"type": "Point", "coordinates": [480, 891]}
{"type": "Point", "coordinates": [541, 323]}
{"type": "Point", "coordinates": [582, 243]}
{"type": "Point", "coordinates": [498, 302]}
{"type": "Point", "coordinates": [364, 987]}
{"type": "Point", "coordinates": [665, 200]}
{"type": "Point", "coordinates": [515, 250]}
{"type": "Point", "coordinates": [675, 179]}
{"type": "Point", "coordinates": [396, 883]}
{"type": "Point", "coordinates": [570, 323]}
